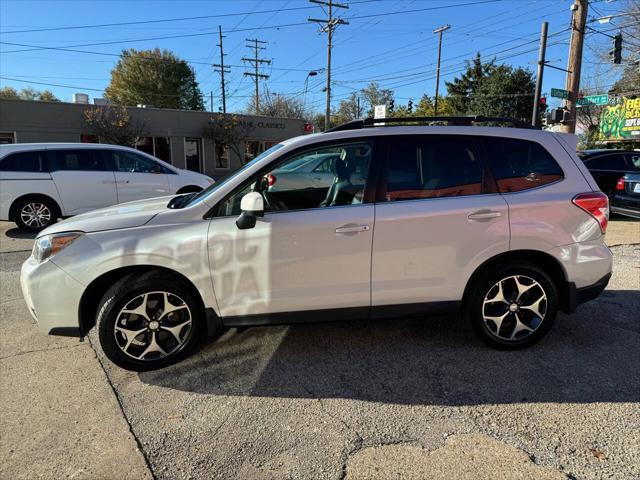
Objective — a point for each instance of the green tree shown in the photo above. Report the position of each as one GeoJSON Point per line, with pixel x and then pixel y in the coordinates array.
{"type": "Point", "coordinates": [492, 90]}
{"type": "Point", "coordinates": [426, 107]}
{"type": "Point", "coordinates": [155, 78]}
{"type": "Point", "coordinates": [9, 93]}
{"type": "Point", "coordinates": [28, 93]}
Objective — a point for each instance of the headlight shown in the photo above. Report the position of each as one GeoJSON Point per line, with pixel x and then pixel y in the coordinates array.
{"type": "Point", "coordinates": [49, 245]}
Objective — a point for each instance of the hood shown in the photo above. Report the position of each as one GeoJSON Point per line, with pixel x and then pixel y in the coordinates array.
{"type": "Point", "coordinates": [124, 215]}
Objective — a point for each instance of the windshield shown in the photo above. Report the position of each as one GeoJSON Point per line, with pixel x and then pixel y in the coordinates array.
{"type": "Point", "coordinates": [217, 185]}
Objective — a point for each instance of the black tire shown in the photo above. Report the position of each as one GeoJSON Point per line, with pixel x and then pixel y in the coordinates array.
{"type": "Point", "coordinates": [486, 286]}
{"type": "Point", "coordinates": [28, 205]}
{"type": "Point", "coordinates": [123, 294]}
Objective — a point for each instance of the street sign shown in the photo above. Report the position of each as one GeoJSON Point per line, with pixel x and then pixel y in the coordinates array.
{"type": "Point", "coordinates": [559, 93]}
{"type": "Point", "coordinates": [593, 100]}
{"type": "Point", "coordinates": [380, 111]}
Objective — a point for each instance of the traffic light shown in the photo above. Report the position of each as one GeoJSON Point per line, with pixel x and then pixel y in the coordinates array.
{"type": "Point", "coordinates": [543, 105]}
{"type": "Point", "coordinates": [391, 105]}
{"type": "Point", "coordinates": [616, 52]}
{"type": "Point", "coordinates": [410, 106]}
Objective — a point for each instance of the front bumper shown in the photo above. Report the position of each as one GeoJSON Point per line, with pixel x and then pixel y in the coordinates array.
{"type": "Point", "coordinates": [52, 296]}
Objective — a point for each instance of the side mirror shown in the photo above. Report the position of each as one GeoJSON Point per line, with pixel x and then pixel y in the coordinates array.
{"type": "Point", "coordinates": [252, 206]}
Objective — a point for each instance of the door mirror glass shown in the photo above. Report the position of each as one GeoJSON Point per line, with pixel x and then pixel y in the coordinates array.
{"type": "Point", "coordinates": [252, 206]}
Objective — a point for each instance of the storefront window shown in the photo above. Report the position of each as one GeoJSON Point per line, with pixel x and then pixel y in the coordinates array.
{"type": "Point", "coordinates": [192, 149]}
{"type": "Point", "coordinates": [162, 147]}
{"type": "Point", "coordinates": [222, 158]}
{"type": "Point", "coordinates": [251, 151]}
{"type": "Point", "coordinates": [145, 144]}
{"type": "Point", "coordinates": [87, 138]}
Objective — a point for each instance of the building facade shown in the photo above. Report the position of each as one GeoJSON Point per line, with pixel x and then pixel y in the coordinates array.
{"type": "Point", "coordinates": [175, 136]}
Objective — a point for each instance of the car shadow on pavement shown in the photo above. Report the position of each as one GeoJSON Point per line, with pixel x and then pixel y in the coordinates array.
{"type": "Point", "coordinates": [590, 356]}
{"type": "Point", "coordinates": [20, 234]}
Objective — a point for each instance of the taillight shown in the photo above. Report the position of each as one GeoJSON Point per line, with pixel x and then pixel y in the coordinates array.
{"type": "Point", "coordinates": [595, 204]}
{"type": "Point", "coordinates": [271, 179]}
{"type": "Point", "coordinates": [620, 184]}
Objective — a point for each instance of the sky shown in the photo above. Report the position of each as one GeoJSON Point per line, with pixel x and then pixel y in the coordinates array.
{"type": "Point", "coordinates": [387, 41]}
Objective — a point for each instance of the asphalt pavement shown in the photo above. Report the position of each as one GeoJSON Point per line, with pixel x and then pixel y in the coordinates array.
{"type": "Point", "coordinates": [416, 398]}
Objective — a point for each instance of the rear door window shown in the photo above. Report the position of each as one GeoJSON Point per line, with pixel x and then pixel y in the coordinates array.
{"type": "Point", "coordinates": [432, 167]}
{"type": "Point", "coordinates": [613, 161]}
{"type": "Point", "coordinates": [520, 164]}
{"type": "Point", "coordinates": [23, 162]}
{"type": "Point", "coordinates": [84, 159]}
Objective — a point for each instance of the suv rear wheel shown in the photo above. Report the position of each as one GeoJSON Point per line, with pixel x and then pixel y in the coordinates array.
{"type": "Point", "coordinates": [514, 306]}
{"type": "Point", "coordinates": [149, 321]}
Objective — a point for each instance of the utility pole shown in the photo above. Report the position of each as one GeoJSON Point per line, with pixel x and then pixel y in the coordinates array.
{"type": "Point", "coordinates": [256, 61]}
{"type": "Point", "coordinates": [219, 67]}
{"type": "Point", "coordinates": [578, 22]}
{"type": "Point", "coordinates": [541, 61]}
{"type": "Point", "coordinates": [439, 32]}
{"type": "Point", "coordinates": [329, 25]}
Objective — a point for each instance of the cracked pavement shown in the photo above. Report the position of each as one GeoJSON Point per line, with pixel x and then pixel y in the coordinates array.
{"type": "Point", "coordinates": [388, 399]}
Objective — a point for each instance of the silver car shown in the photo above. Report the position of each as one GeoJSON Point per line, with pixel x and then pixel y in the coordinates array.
{"type": "Point", "coordinates": [505, 225]}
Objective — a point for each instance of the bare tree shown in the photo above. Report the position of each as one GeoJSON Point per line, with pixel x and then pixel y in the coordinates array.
{"type": "Point", "coordinates": [113, 124]}
{"type": "Point", "coordinates": [227, 131]}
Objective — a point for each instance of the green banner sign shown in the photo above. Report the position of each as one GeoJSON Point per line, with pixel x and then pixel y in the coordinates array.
{"type": "Point", "coordinates": [621, 121]}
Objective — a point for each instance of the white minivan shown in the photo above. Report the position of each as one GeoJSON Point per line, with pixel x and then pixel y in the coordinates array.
{"type": "Point", "coordinates": [40, 182]}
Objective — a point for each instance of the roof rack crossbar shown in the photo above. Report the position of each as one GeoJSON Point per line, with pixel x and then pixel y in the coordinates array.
{"type": "Point", "coordinates": [467, 120]}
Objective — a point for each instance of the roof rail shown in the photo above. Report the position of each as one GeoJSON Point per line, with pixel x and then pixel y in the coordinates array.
{"type": "Point", "coordinates": [465, 121]}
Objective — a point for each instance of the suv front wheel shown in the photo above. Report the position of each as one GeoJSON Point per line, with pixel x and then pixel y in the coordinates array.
{"type": "Point", "coordinates": [149, 321]}
{"type": "Point", "coordinates": [514, 306]}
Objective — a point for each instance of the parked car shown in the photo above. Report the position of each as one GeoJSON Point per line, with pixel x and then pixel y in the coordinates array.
{"type": "Point", "coordinates": [40, 182]}
{"type": "Point", "coordinates": [503, 224]}
{"type": "Point", "coordinates": [626, 196]}
{"type": "Point", "coordinates": [607, 166]}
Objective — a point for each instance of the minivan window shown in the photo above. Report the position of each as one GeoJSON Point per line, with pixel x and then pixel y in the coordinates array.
{"type": "Point", "coordinates": [520, 164]}
{"type": "Point", "coordinates": [432, 167]}
{"type": "Point", "coordinates": [124, 161]}
{"type": "Point", "coordinates": [85, 159]}
{"type": "Point", "coordinates": [23, 162]}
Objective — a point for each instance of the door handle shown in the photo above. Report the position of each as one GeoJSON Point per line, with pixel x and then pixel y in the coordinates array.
{"type": "Point", "coordinates": [108, 182]}
{"type": "Point", "coordinates": [484, 215]}
{"type": "Point", "coordinates": [123, 181]}
{"type": "Point", "coordinates": [352, 229]}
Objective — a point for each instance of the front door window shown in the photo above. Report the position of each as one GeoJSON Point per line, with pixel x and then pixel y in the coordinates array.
{"type": "Point", "coordinates": [324, 177]}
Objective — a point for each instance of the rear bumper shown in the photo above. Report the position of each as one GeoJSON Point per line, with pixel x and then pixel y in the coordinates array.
{"type": "Point", "coordinates": [627, 212]}
{"type": "Point", "coordinates": [584, 294]}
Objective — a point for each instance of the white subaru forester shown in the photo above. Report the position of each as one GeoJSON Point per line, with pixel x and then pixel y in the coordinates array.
{"type": "Point", "coordinates": [504, 224]}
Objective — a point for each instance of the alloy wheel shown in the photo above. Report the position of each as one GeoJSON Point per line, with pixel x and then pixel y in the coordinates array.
{"type": "Point", "coordinates": [153, 325]}
{"type": "Point", "coordinates": [514, 308]}
{"type": "Point", "coordinates": [35, 215]}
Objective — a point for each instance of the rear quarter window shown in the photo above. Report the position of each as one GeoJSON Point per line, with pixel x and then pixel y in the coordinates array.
{"type": "Point", "coordinates": [519, 165]}
{"type": "Point", "coordinates": [612, 161]}
{"type": "Point", "coordinates": [23, 162]}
